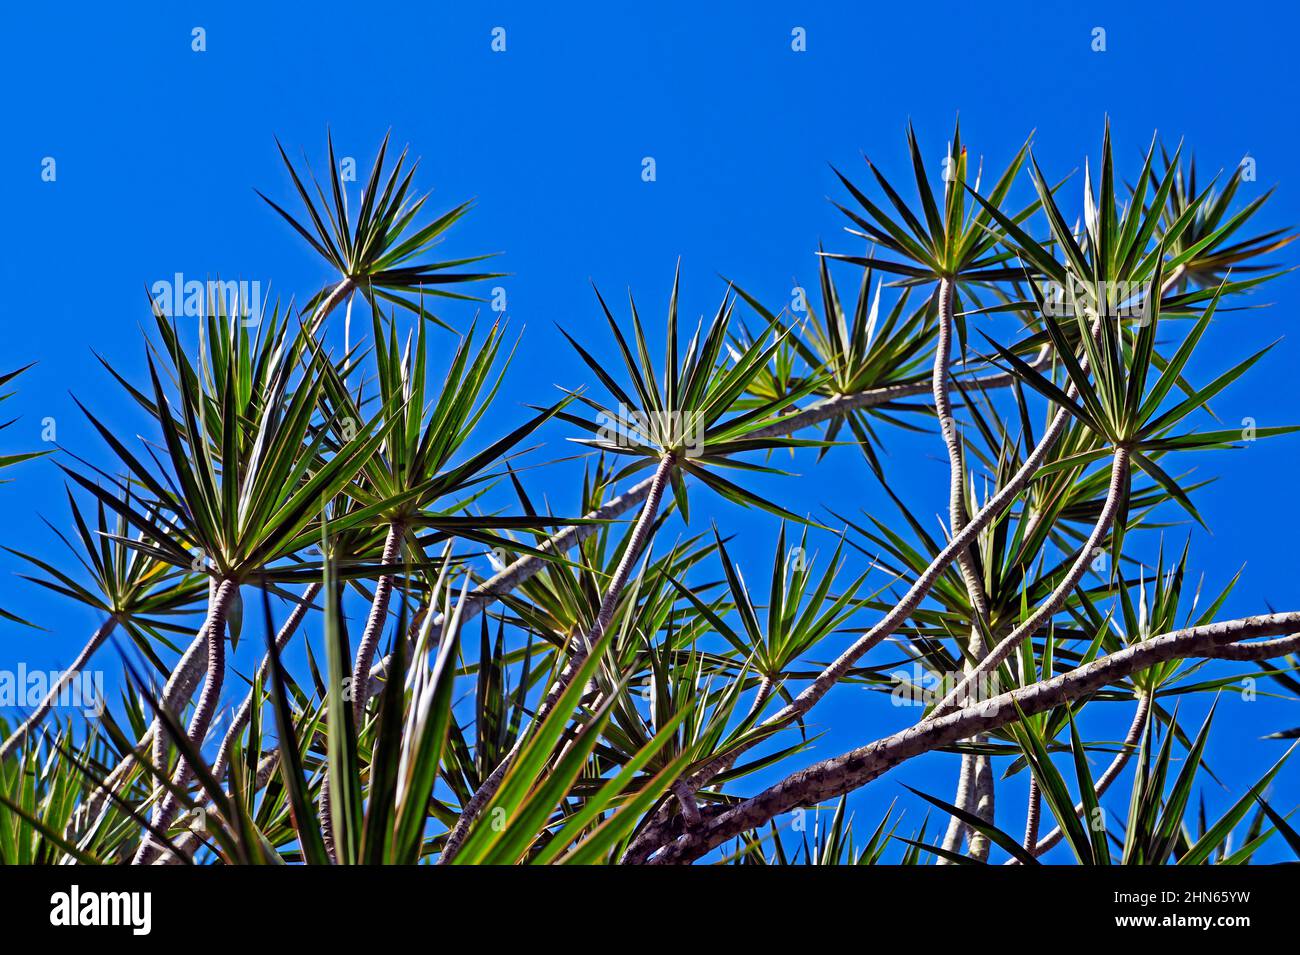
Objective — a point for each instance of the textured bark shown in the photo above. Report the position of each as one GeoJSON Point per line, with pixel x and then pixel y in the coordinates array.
{"type": "Point", "coordinates": [180, 686]}
{"type": "Point", "coordinates": [325, 812]}
{"type": "Point", "coordinates": [981, 804]}
{"type": "Point", "coordinates": [975, 783]}
{"type": "Point", "coordinates": [96, 640]}
{"type": "Point", "coordinates": [953, 443]}
{"type": "Point", "coordinates": [636, 541]}
{"type": "Point", "coordinates": [375, 622]}
{"type": "Point", "coordinates": [337, 294]}
{"type": "Point", "coordinates": [187, 843]}
{"type": "Point", "coordinates": [361, 666]}
{"type": "Point", "coordinates": [1264, 650]}
{"type": "Point", "coordinates": [112, 783]}
{"type": "Point", "coordinates": [266, 767]}
{"type": "Point", "coordinates": [1033, 810]}
{"type": "Point", "coordinates": [245, 711]}
{"type": "Point", "coordinates": [957, 829]}
{"type": "Point", "coordinates": [975, 791]}
{"type": "Point", "coordinates": [188, 670]}
{"type": "Point", "coordinates": [833, 777]}
{"type": "Point", "coordinates": [197, 731]}
{"type": "Point", "coordinates": [653, 832]}
{"type": "Point", "coordinates": [686, 800]}
{"type": "Point", "coordinates": [567, 538]}
{"type": "Point", "coordinates": [1115, 496]}
{"type": "Point", "coordinates": [897, 615]}
{"type": "Point", "coordinates": [1127, 749]}
{"type": "Point", "coordinates": [184, 679]}
{"type": "Point", "coordinates": [921, 588]}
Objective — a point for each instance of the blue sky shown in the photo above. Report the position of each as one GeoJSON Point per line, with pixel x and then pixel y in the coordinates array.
{"type": "Point", "coordinates": [158, 150]}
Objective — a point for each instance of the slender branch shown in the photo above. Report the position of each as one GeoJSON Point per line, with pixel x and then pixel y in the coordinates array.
{"type": "Point", "coordinates": [652, 832]}
{"type": "Point", "coordinates": [202, 716]}
{"type": "Point", "coordinates": [900, 612]}
{"type": "Point", "coordinates": [96, 640]}
{"type": "Point", "coordinates": [340, 291]}
{"type": "Point", "coordinates": [975, 782]}
{"type": "Point", "coordinates": [953, 443]}
{"type": "Point", "coordinates": [686, 799]}
{"type": "Point", "coordinates": [1032, 812]}
{"type": "Point", "coordinates": [266, 767]}
{"type": "Point", "coordinates": [113, 783]}
{"type": "Point", "coordinates": [636, 541]}
{"type": "Point", "coordinates": [185, 676]}
{"type": "Point", "coordinates": [651, 836]}
{"type": "Point", "coordinates": [1127, 749]}
{"type": "Point", "coordinates": [245, 711]}
{"type": "Point", "coordinates": [981, 803]}
{"type": "Point", "coordinates": [375, 622]}
{"type": "Point", "coordinates": [833, 777]}
{"type": "Point", "coordinates": [957, 829]}
{"type": "Point", "coordinates": [525, 568]}
{"type": "Point", "coordinates": [1115, 497]}
{"type": "Point", "coordinates": [180, 687]}
{"type": "Point", "coordinates": [824, 409]}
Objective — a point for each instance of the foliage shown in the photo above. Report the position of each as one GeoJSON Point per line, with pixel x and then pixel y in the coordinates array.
{"type": "Point", "coordinates": [275, 465]}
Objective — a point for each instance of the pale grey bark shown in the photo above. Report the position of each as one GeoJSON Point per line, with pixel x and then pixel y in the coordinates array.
{"type": "Point", "coordinates": [185, 676]}
{"type": "Point", "coordinates": [244, 713]}
{"type": "Point", "coordinates": [638, 539]}
{"type": "Point", "coordinates": [179, 689]}
{"type": "Point", "coordinates": [957, 829]}
{"type": "Point", "coordinates": [1033, 810]}
{"type": "Point", "coordinates": [833, 777]}
{"type": "Point", "coordinates": [1115, 496]}
{"type": "Point", "coordinates": [649, 838]}
{"type": "Point", "coordinates": [96, 640]}
{"type": "Point", "coordinates": [337, 294]}
{"type": "Point", "coordinates": [975, 782]}
{"type": "Point", "coordinates": [1127, 748]}
{"type": "Point", "coordinates": [197, 731]}
{"type": "Point", "coordinates": [375, 622]}
{"type": "Point", "coordinates": [901, 611]}
{"type": "Point", "coordinates": [524, 568]}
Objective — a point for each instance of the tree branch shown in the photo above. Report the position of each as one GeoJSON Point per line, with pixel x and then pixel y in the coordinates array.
{"type": "Point", "coordinates": [1127, 748]}
{"type": "Point", "coordinates": [834, 777]}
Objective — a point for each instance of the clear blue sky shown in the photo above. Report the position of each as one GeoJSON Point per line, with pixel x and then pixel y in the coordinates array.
{"type": "Point", "coordinates": [158, 149]}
